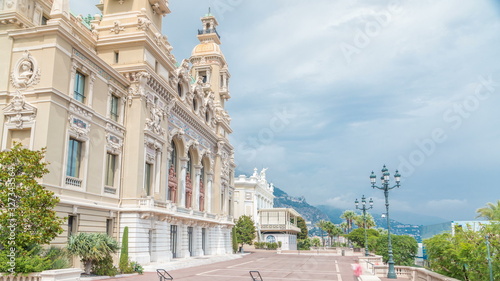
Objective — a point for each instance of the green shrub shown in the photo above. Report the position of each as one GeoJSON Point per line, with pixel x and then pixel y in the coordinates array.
{"type": "Point", "coordinates": [136, 267]}
{"type": "Point", "coordinates": [58, 257]}
{"type": "Point", "coordinates": [93, 248]}
{"type": "Point", "coordinates": [25, 262]}
{"type": "Point", "coordinates": [124, 263]}
{"type": "Point", "coordinates": [234, 240]}
{"type": "Point", "coordinates": [304, 244]}
{"type": "Point", "coordinates": [105, 267]}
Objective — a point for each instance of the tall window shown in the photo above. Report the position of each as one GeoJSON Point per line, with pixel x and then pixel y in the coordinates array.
{"type": "Point", "coordinates": [172, 174]}
{"type": "Point", "coordinates": [74, 158]}
{"type": "Point", "coordinates": [188, 168]}
{"type": "Point", "coordinates": [113, 110]}
{"type": "Point", "coordinates": [148, 178]}
{"type": "Point", "coordinates": [179, 89]}
{"type": "Point", "coordinates": [173, 157]}
{"type": "Point", "coordinates": [72, 225]}
{"type": "Point", "coordinates": [109, 227]}
{"type": "Point", "coordinates": [79, 94]}
{"type": "Point", "coordinates": [110, 169]}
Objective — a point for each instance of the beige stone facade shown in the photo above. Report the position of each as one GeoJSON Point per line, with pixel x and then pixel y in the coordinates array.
{"type": "Point", "coordinates": [134, 137]}
{"type": "Point", "coordinates": [252, 194]}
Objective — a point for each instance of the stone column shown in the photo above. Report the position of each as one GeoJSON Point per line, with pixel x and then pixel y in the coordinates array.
{"type": "Point", "coordinates": [182, 188]}
{"type": "Point", "coordinates": [208, 192]}
{"type": "Point", "coordinates": [196, 187]}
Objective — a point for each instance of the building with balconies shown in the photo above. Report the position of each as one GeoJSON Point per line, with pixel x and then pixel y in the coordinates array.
{"type": "Point", "coordinates": [134, 137]}
{"type": "Point", "coordinates": [280, 224]}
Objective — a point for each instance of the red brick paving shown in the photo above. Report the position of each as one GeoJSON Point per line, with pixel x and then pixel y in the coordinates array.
{"type": "Point", "coordinates": [271, 266]}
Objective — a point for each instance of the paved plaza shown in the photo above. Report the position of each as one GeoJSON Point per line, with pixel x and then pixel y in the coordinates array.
{"type": "Point", "coordinates": [272, 266]}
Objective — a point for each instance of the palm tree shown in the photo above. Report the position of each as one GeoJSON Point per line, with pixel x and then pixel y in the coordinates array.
{"type": "Point", "coordinates": [490, 212]}
{"type": "Point", "coordinates": [361, 223]}
{"type": "Point", "coordinates": [349, 216]}
{"type": "Point", "coordinates": [92, 247]}
{"type": "Point", "coordinates": [322, 224]}
{"type": "Point", "coordinates": [344, 226]}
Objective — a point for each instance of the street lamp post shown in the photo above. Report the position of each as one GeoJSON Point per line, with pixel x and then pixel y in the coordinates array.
{"type": "Point", "coordinates": [391, 274]}
{"type": "Point", "coordinates": [364, 208]}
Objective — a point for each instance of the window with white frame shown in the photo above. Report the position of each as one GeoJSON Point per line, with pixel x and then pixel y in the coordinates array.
{"type": "Point", "coordinates": [111, 165]}
{"type": "Point", "coordinates": [79, 87]}
{"type": "Point", "coordinates": [114, 108]}
{"type": "Point", "coordinates": [73, 164]}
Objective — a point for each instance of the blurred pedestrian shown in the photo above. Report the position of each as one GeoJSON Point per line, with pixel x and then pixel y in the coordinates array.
{"type": "Point", "coordinates": [357, 270]}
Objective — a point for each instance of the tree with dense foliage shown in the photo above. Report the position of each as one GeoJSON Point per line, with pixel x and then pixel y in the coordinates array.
{"type": "Point", "coordinates": [349, 217]}
{"type": "Point", "coordinates": [464, 254]}
{"type": "Point", "coordinates": [301, 223]}
{"type": "Point", "coordinates": [245, 230]}
{"type": "Point", "coordinates": [490, 212]}
{"type": "Point", "coordinates": [315, 242]}
{"type": "Point", "coordinates": [92, 248]}
{"type": "Point", "coordinates": [330, 228]}
{"type": "Point", "coordinates": [344, 226]}
{"type": "Point", "coordinates": [322, 224]}
{"type": "Point", "coordinates": [357, 236]}
{"type": "Point", "coordinates": [363, 222]}
{"type": "Point", "coordinates": [26, 207]}
{"type": "Point", "coordinates": [404, 248]}
{"type": "Point", "coordinates": [304, 244]}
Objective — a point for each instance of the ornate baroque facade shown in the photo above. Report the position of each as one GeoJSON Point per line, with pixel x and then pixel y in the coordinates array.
{"type": "Point", "coordinates": [134, 137]}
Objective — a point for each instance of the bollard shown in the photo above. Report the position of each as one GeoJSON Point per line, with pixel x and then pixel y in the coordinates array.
{"type": "Point", "coordinates": [343, 252]}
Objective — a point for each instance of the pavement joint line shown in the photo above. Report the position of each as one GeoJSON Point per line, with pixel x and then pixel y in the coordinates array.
{"type": "Point", "coordinates": [277, 278]}
{"type": "Point", "coordinates": [201, 273]}
{"type": "Point", "coordinates": [337, 267]}
{"type": "Point", "coordinates": [339, 277]}
{"type": "Point", "coordinates": [240, 264]}
{"type": "Point", "coordinates": [272, 271]}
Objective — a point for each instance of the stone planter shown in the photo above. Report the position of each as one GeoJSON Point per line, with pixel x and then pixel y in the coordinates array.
{"type": "Point", "coordinates": [67, 274]}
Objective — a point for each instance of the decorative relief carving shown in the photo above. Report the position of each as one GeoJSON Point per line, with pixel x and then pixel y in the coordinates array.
{"type": "Point", "coordinates": [78, 126]}
{"type": "Point", "coordinates": [26, 72]}
{"type": "Point", "coordinates": [117, 27]}
{"type": "Point", "coordinates": [153, 123]}
{"type": "Point", "coordinates": [80, 110]}
{"type": "Point", "coordinates": [183, 71]}
{"type": "Point", "coordinates": [18, 111]}
{"type": "Point", "coordinates": [172, 184]}
{"type": "Point", "coordinates": [143, 23]}
{"type": "Point", "coordinates": [114, 143]}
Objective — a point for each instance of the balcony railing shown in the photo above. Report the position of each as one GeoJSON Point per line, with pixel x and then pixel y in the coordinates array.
{"type": "Point", "coordinates": [407, 272]}
{"type": "Point", "coordinates": [208, 31]}
{"type": "Point", "coordinates": [73, 181]}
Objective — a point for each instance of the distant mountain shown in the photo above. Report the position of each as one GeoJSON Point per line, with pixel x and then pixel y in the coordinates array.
{"type": "Point", "coordinates": [308, 212]}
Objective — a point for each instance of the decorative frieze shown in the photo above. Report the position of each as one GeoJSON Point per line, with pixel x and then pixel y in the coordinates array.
{"type": "Point", "coordinates": [19, 112]}
{"type": "Point", "coordinates": [79, 127]}
{"type": "Point", "coordinates": [26, 72]}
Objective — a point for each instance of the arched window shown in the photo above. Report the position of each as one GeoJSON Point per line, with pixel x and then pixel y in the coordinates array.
{"type": "Point", "coordinates": [173, 157]}
{"type": "Point", "coordinates": [179, 90]}
{"type": "Point", "coordinates": [172, 175]}
{"type": "Point", "coordinates": [195, 104]}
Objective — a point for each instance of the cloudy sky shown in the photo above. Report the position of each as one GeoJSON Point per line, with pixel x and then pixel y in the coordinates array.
{"type": "Point", "coordinates": [324, 92]}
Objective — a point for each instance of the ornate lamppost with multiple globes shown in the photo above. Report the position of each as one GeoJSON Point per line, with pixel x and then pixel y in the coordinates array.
{"type": "Point", "coordinates": [391, 274]}
{"type": "Point", "coordinates": [364, 208]}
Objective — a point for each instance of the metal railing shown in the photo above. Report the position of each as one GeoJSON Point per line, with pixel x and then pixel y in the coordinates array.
{"type": "Point", "coordinates": [208, 31]}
